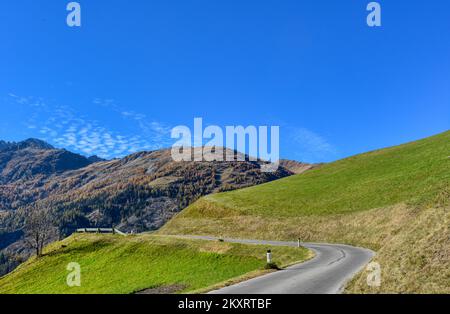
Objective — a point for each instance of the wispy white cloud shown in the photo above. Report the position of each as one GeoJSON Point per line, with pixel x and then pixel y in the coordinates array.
{"type": "Point", "coordinates": [19, 99]}
{"type": "Point", "coordinates": [311, 146]}
{"type": "Point", "coordinates": [65, 127]}
{"type": "Point", "coordinates": [159, 132]}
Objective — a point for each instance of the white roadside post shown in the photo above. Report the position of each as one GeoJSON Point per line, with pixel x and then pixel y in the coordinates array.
{"type": "Point", "coordinates": [269, 257]}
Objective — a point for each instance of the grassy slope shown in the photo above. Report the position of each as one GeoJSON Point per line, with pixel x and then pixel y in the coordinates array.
{"type": "Point", "coordinates": [394, 200]}
{"type": "Point", "coordinates": [115, 264]}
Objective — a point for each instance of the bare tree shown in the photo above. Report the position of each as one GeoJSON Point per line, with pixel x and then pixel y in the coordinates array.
{"type": "Point", "coordinates": [39, 228]}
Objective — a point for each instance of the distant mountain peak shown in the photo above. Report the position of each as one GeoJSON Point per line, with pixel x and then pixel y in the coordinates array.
{"type": "Point", "coordinates": [34, 159]}
{"type": "Point", "coordinates": [29, 143]}
{"type": "Point", "coordinates": [95, 158]}
{"type": "Point", "coordinates": [3, 144]}
{"type": "Point", "coordinates": [296, 167]}
{"type": "Point", "coordinates": [35, 143]}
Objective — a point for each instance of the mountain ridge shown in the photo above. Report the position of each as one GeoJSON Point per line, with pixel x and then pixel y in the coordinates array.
{"type": "Point", "coordinates": [139, 192]}
{"type": "Point", "coordinates": [28, 143]}
{"type": "Point", "coordinates": [33, 158]}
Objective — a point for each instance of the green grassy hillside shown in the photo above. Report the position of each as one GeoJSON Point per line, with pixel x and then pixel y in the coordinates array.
{"type": "Point", "coordinates": [384, 200]}
{"type": "Point", "coordinates": [415, 172]}
{"type": "Point", "coordinates": [116, 264]}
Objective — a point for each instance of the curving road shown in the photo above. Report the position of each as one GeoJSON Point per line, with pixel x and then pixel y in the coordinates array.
{"type": "Point", "coordinates": [327, 273]}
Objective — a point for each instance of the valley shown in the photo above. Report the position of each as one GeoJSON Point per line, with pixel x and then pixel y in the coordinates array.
{"type": "Point", "coordinates": [137, 193]}
{"type": "Point", "coordinates": [393, 201]}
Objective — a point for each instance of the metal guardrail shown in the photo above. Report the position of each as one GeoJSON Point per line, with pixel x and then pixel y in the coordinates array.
{"type": "Point", "coordinates": [101, 230]}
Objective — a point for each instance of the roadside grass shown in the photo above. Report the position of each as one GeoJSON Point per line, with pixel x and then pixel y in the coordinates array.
{"type": "Point", "coordinates": [412, 243]}
{"type": "Point", "coordinates": [395, 201]}
{"type": "Point", "coordinates": [416, 259]}
{"type": "Point", "coordinates": [122, 265]}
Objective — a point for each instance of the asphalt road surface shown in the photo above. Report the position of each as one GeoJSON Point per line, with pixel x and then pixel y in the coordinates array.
{"type": "Point", "coordinates": [327, 273]}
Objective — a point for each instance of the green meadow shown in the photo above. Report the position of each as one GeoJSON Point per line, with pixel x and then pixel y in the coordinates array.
{"type": "Point", "coordinates": [152, 264]}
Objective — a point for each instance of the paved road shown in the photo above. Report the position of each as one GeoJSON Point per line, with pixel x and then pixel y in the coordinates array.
{"type": "Point", "coordinates": [327, 273]}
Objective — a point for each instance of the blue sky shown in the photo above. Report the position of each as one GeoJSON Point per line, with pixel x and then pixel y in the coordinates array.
{"type": "Point", "coordinates": [135, 69]}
